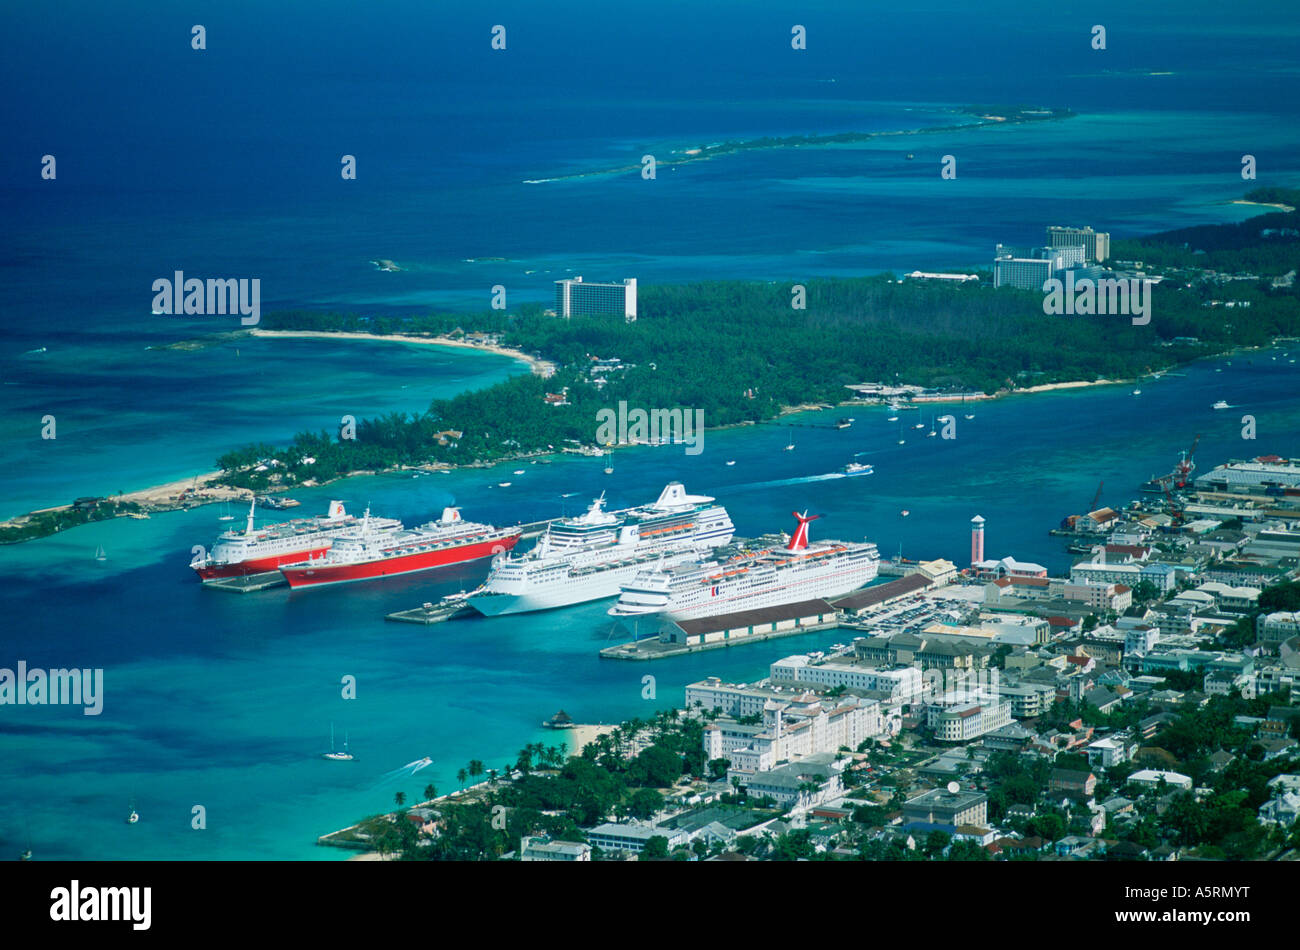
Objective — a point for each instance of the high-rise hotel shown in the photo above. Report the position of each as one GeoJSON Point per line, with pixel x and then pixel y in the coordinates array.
{"type": "Point", "coordinates": [577, 297]}
{"type": "Point", "coordinates": [1029, 269]}
{"type": "Point", "coordinates": [1096, 244]}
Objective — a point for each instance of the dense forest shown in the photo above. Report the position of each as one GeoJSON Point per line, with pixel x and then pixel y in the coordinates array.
{"type": "Point", "coordinates": [1267, 245]}
{"type": "Point", "coordinates": [739, 351]}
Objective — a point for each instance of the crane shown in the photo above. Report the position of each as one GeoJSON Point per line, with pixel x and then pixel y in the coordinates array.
{"type": "Point", "coordinates": [1175, 510]}
{"type": "Point", "coordinates": [1071, 522]}
{"type": "Point", "coordinates": [1186, 465]}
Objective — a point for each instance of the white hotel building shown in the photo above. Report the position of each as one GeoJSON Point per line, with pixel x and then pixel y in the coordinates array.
{"type": "Point", "coordinates": [901, 684]}
{"type": "Point", "coordinates": [962, 716]}
{"type": "Point", "coordinates": [792, 730]}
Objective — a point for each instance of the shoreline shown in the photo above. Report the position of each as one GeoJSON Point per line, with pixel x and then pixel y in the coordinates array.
{"type": "Point", "coordinates": [539, 366]}
{"type": "Point", "coordinates": [1264, 204]}
{"type": "Point", "coordinates": [581, 733]}
{"type": "Point", "coordinates": [165, 497]}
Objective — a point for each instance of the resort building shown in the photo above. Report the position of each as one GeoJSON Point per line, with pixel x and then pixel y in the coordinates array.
{"type": "Point", "coordinates": [576, 297]}
{"type": "Point", "coordinates": [792, 731]}
{"type": "Point", "coordinates": [1095, 244]}
{"type": "Point", "coordinates": [899, 684]}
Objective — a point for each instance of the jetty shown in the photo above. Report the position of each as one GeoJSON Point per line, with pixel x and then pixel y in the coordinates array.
{"type": "Point", "coordinates": [430, 613]}
{"type": "Point", "coordinates": [247, 583]}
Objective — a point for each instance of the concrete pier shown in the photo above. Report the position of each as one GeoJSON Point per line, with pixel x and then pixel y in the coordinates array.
{"type": "Point", "coordinates": [247, 583]}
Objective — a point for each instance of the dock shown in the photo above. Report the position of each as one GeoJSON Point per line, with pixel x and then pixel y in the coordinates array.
{"type": "Point", "coordinates": [247, 583]}
{"type": "Point", "coordinates": [533, 529]}
{"type": "Point", "coordinates": [432, 613]}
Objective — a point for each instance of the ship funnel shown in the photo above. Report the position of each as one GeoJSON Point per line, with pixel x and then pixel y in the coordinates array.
{"type": "Point", "coordinates": [450, 514]}
{"type": "Point", "coordinates": [800, 539]}
{"type": "Point", "coordinates": [336, 510]}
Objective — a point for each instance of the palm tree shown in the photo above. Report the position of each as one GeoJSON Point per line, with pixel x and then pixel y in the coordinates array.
{"type": "Point", "coordinates": [492, 776]}
{"type": "Point", "coordinates": [461, 775]}
{"type": "Point", "coordinates": [430, 793]}
{"type": "Point", "coordinates": [400, 798]}
{"type": "Point", "coordinates": [475, 768]}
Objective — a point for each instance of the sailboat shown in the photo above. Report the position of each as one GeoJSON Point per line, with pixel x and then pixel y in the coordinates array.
{"type": "Point", "coordinates": [969, 415]}
{"type": "Point", "coordinates": [931, 434]}
{"type": "Point", "coordinates": [134, 816]}
{"type": "Point", "coordinates": [609, 469]}
{"type": "Point", "coordinates": [226, 516]}
{"type": "Point", "coordinates": [901, 440]}
{"type": "Point", "coordinates": [99, 554]}
{"type": "Point", "coordinates": [344, 756]}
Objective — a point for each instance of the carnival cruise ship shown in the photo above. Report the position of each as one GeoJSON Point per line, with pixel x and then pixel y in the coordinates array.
{"type": "Point", "coordinates": [381, 550]}
{"type": "Point", "coordinates": [593, 555]}
{"type": "Point", "coordinates": [257, 550]}
{"type": "Point", "coordinates": [706, 588]}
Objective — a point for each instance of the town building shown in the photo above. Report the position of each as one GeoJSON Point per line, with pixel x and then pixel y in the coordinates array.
{"type": "Point", "coordinates": [943, 807]}
{"type": "Point", "coordinates": [631, 837]}
{"type": "Point", "coordinates": [544, 849]}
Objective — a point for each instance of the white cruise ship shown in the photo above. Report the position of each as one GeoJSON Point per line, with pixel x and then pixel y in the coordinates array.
{"type": "Point", "coordinates": [595, 554]}
{"type": "Point", "coordinates": [706, 588]}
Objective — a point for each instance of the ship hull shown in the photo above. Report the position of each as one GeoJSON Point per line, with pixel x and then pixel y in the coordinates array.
{"type": "Point", "coordinates": [598, 585]}
{"type": "Point", "coordinates": [260, 565]}
{"type": "Point", "coordinates": [316, 575]}
{"type": "Point", "coordinates": [829, 586]}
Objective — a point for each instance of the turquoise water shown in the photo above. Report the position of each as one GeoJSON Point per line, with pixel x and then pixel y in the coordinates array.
{"type": "Point", "coordinates": [225, 700]}
{"type": "Point", "coordinates": [225, 164]}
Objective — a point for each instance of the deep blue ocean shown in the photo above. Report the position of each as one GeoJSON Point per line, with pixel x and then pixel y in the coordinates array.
{"type": "Point", "coordinates": [225, 163]}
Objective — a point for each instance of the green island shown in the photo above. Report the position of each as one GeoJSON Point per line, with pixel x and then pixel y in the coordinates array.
{"type": "Point", "coordinates": [683, 351]}
{"type": "Point", "coordinates": [984, 116]}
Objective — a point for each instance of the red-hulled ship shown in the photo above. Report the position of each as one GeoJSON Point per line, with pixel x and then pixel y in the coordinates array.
{"type": "Point", "coordinates": [370, 553]}
{"type": "Point", "coordinates": [258, 550]}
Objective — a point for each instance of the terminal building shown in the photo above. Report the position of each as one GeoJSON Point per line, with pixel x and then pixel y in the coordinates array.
{"type": "Point", "coordinates": [576, 297]}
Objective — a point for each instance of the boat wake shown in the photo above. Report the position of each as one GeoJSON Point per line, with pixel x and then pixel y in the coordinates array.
{"type": "Point", "coordinates": [406, 771]}
{"type": "Point", "coordinates": [779, 483]}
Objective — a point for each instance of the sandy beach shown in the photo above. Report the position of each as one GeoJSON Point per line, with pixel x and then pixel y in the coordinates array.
{"type": "Point", "coordinates": [1076, 384]}
{"type": "Point", "coordinates": [1265, 204]}
{"type": "Point", "coordinates": [200, 488]}
{"type": "Point", "coordinates": [578, 737]}
{"type": "Point", "coordinates": [540, 367]}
